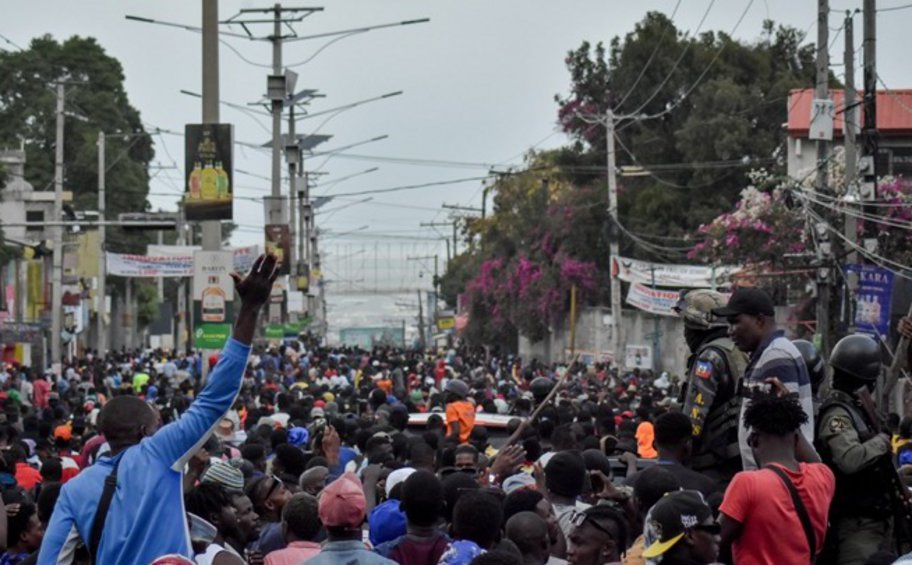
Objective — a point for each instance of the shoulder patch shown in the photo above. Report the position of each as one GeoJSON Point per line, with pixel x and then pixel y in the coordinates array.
{"type": "Point", "coordinates": [703, 369]}
{"type": "Point", "coordinates": [839, 424]}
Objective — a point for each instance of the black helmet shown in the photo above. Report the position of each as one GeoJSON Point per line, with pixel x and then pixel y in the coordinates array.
{"type": "Point", "coordinates": [814, 362]}
{"type": "Point", "coordinates": [857, 355]}
{"type": "Point", "coordinates": [540, 387]}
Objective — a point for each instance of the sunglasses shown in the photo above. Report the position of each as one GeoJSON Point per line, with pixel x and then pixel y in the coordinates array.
{"type": "Point", "coordinates": [276, 483]}
{"type": "Point", "coordinates": [581, 518]}
{"type": "Point", "coordinates": [713, 529]}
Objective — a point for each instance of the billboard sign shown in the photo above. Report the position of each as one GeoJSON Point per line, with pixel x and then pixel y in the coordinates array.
{"type": "Point", "coordinates": [208, 170]}
{"type": "Point", "coordinates": [278, 242]}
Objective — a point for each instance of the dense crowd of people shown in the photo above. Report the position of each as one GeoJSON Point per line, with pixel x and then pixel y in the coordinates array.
{"type": "Point", "coordinates": [297, 452]}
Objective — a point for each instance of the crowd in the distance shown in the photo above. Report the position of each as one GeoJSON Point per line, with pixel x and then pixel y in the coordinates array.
{"type": "Point", "coordinates": [302, 453]}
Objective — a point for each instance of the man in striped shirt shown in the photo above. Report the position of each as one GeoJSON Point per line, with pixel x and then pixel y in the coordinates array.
{"type": "Point", "coordinates": [752, 327]}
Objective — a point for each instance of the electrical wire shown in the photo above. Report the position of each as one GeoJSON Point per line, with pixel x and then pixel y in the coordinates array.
{"type": "Point", "coordinates": [411, 186]}
{"type": "Point", "coordinates": [662, 181]}
{"type": "Point", "coordinates": [676, 63]}
{"type": "Point", "coordinates": [649, 60]}
{"type": "Point", "coordinates": [715, 58]}
{"type": "Point", "coordinates": [895, 8]}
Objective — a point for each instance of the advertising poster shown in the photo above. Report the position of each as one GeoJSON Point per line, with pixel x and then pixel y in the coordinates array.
{"type": "Point", "coordinates": [873, 299]}
{"type": "Point", "coordinates": [208, 169]}
{"type": "Point", "coordinates": [638, 357]}
{"type": "Point", "coordinates": [213, 288]}
{"type": "Point", "coordinates": [278, 242]}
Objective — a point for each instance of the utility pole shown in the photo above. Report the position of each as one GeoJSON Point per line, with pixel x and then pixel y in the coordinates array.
{"type": "Point", "coordinates": [869, 141]}
{"type": "Point", "coordinates": [617, 339]}
{"type": "Point", "coordinates": [421, 334]}
{"type": "Point", "coordinates": [100, 295]}
{"type": "Point", "coordinates": [851, 122]}
{"type": "Point", "coordinates": [851, 192]}
{"type": "Point", "coordinates": [821, 93]}
{"type": "Point", "coordinates": [57, 259]}
{"type": "Point", "coordinates": [212, 230]}
{"type": "Point", "coordinates": [276, 38]}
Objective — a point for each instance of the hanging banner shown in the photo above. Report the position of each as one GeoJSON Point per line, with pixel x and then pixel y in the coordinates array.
{"type": "Point", "coordinates": [654, 301]}
{"type": "Point", "coordinates": [122, 265]}
{"type": "Point", "coordinates": [171, 261]}
{"type": "Point", "coordinates": [243, 256]}
{"type": "Point", "coordinates": [873, 299]}
{"type": "Point", "coordinates": [208, 170]}
{"type": "Point", "coordinates": [278, 242]}
{"type": "Point", "coordinates": [673, 276]}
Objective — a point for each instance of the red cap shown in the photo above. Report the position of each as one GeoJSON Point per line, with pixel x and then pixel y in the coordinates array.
{"type": "Point", "coordinates": [342, 503]}
{"type": "Point", "coordinates": [63, 432]}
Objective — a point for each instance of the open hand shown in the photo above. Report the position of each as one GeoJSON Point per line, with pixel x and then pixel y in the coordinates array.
{"type": "Point", "coordinates": [508, 461]}
{"type": "Point", "coordinates": [255, 288]}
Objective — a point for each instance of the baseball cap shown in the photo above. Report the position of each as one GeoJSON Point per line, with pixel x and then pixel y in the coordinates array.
{"type": "Point", "coordinates": [751, 301]}
{"type": "Point", "coordinates": [342, 503]}
{"type": "Point", "coordinates": [396, 477]}
{"type": "Point", "coordinates": [670, 518]}
{"type": "Point", "coordinates": [387, 522]}
{"type": "Point", "coordinates": [63, 432]}
{"type": "Point", "coordinates": [517, 482]}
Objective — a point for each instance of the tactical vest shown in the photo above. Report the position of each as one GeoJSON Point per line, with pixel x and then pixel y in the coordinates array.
{"type": "Point", "coordinates": [864, 493]}
{"type": "Point", "coordinates": [719, 441]}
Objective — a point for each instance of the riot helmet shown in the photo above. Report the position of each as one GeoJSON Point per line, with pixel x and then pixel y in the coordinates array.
{"type": "Point", "coordinates": [540, 387]}
{"type": "Point", "coordinates": [857, 356]}
{"type": "Point", "coordinates": [813, 360]}
{"type": "Point", "coordinates": [695, 307]}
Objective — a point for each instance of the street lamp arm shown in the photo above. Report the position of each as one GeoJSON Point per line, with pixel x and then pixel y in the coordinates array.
{"type": "Point", "coordinates": [181, 26]}
{"type": "Point", "coordinates": [357, 30]}
{"type": "Point", "coordinates": [347, 106]}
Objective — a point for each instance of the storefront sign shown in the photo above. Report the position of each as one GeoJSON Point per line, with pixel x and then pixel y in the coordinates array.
{"type": "Point", "coordinates": [873, 299]}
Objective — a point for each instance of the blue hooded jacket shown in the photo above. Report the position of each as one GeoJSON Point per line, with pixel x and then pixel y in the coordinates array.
{"type": "Point", "coordinates": [146, 518]}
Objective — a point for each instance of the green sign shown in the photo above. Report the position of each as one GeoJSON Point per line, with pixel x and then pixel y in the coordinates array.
{"type": "Point", "coordinates": [211, 336]}
{"type": "Point", "coordinates": [274, 331]}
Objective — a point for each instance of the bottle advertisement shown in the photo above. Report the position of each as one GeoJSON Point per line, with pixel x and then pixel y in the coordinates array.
{"type": "Point", "coordinates": [213, 293]}
{"type": "Point", "coordinates": [278, 242]}
{"type": "Point", "coordinates": [208, 166]}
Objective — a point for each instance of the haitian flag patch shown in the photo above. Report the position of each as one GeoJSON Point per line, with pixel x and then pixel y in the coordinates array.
{"type": "Point", "coordinates": [704, 369]}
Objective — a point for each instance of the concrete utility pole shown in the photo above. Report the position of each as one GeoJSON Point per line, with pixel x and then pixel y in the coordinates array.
{"type": "Point", "coordinates": [276, 39]}
{"type": "Point", "coordinates": [57, 260]}
{"type": "Point", "coordinates": [100, 294]}
{"type": "Point", "coordinates": [617, 338]}
{"type": "Point", "coordinates": [851, 150]}
{"type": "Point", "coordinates": [422, 337]}
{"type": "Point", "coordinates": [212, 230]}
{"type": "Point", "coordinates": [822, 92]}
{"type": "Point", "coordinates": [869, 129]}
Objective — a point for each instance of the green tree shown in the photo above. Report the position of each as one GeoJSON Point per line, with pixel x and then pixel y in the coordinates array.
{"type": "Point", "coordinates": [94, 92]}
{"type": "Point", "coordinates": [705, 111]}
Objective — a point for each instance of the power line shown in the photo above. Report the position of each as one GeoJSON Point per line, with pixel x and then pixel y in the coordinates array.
{"type": "Point", "coordinates": [895, 8]}
{"type": "Point", "coordinates": [715, 58]}
{"type": "Point", "coordinates": [411, 186]}
{"type": "Point", "coordinates": [649, 60]}
{"type": "Point", "coordinates": [676, 63]}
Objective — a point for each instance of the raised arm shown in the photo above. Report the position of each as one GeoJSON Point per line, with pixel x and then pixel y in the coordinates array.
{"type": "Point", "coordinates": [176, 442]}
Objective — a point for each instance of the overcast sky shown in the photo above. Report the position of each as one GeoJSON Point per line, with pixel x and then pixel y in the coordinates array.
{"type": "Point", "coordinates": [479, 83]}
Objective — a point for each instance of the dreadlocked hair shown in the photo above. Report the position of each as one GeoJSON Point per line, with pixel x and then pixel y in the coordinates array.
{"type": "Point", "coordinates": [774, 415]}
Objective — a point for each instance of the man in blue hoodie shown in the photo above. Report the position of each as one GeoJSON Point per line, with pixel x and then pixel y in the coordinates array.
{"type": "Point", "coordinates": [146, 516]}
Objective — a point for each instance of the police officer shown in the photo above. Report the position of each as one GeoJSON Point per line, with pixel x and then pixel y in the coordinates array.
{"type": "Point", "coordinates": [710, 395]}
{"type": "Point", "coordinates": [854, 447]}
